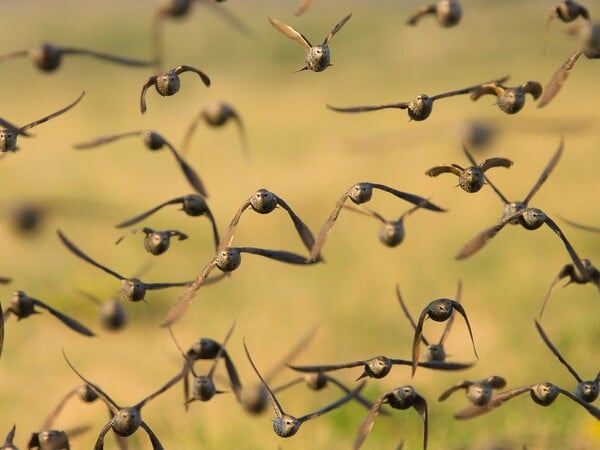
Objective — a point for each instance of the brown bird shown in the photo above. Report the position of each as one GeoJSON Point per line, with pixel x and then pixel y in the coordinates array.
{"type": "Point", "coordinates": [132, 289]}
{"type": "Point", "coordinates": [435, 352]}
{"type": "Point", "coordinates": [8, 135]}
{"type": "Point", "coordinates": [156, 242]}
{"type": "Point", "coordinates": [586, 390]}
{"type": "Point", "coordinates": [286, 425]}
{"type": "Point", "coordinates": [177, 9]}
{"type": "Point", "coordinates": [510, 99]}
{"type": "Point", "coordinates": [23, 306]}
{"type": "Point", "coordinates": [49, 440]}
{"type": "Point", "coordinates": [380, 366]}
{"type": "Point", "coordinates": [361, 193]}
{"type": "Point", "coordinates": [318, 56]}
{"type": "Point", "coordinates": [589, 36]}
{"type": "Point", "coordinates": [125, 420]}
{"type": "Point", "coordinates": [153, 141]}
{"type": "Point", "coordinates": [402, 397]}
{"type": "Point", "coordinates": [478, 392]}
{"type": "Point", "coordinates": [543, 394]}
{"type": "Point", "coordinates": [112, 314]}
{"type": "Point", "coordinates": [264, 202]}
{"type": "Point", "coordinates": [168, 83]}
{"type": "Point", "coordinates": [391, 232]}
{"type": "Point", "coordinates": [470, 179]}
{"type": "Point", "coordinates": [48, 57]}
{"type": "Point", "coordinates": [8, 442]}
{"type": "Point", "coordinates": [420, 108]}
{"type": "Point", "coordinates": [447, 12]}
{"type": "Point", "coordinates": [438, 310]}
{"type": "Point", "coordinates": [216, 114]}
{"type": "Point", "coordinates": [193, 205]}
{"type": "Point", "coordinates": [513, 207]}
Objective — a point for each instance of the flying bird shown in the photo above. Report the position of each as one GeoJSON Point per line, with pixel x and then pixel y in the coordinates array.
{"type": "Point", "coordinates": [447, 13]}
{"type": "Point", "coordinates": [511, 99]}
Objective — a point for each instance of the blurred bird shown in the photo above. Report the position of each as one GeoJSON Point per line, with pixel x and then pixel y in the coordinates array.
{"type": "Point", "coordinates": [447, 12]}
{"type": "Point", "coordinates": [318, 56]}
{"type": "Point", "coordinates": [478, 392]}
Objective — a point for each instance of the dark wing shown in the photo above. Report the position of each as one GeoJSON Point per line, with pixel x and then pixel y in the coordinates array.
{"type": "Point", "coordinates": [337, 28]}
{"type": "Point", "coordinates": [407, 314]}
{"type": "Point", "coordinates": [183, 302]}
{"type": "Point", "coordinates": [180, 69]}
{"type": "Point", "coordinates": [303, 231]}
{"type": "Point", "coordinates": [496, 401]}
{"type": "Point", "coordinates": [450, 321]}
{"type": "Point", "coordinates": [327, 367]}
{"type": "Point", "coordinates": [414, 199]}
{"type": "Point", "coordinates": [558, 79]}
{"type": "Point", "coordinates": [162, 389]}
{"type": "Point", "coordinates": [149, 82]}
{"type": "Point", "coordinates": [422, 11]}
{"type": "Point", "coordinates": [274, 402]}
{"type": "Point", "coordinates": [532, 87]}
{"type": "Point", "coordinates": [448, 392]}
{"type": "Point", "coordinates": [416, 347]}
{"type": "Point", "coordinates": [99, 445]}
{"type": "Point", "coordinates": [74, 249]}
{"type": "Point", "coordinates": [143, 215]}
{"type": "Point", "coordinates": [367, 424]}
{"type": "Point", "coordinates": [105, 140]}
{"type": "Point", "coordinates": [71, 323]}
{"type": "Point", "coordinates": [546, 173]}
{"type": "Point", "coordinates": [449, 168]}
{"type": "Point", "coordinates": [495, 162]}
{"type": "Point", "coordinates": [353, 109]}
{"type": "Point", "coordinates": [481, 238]}
{"type": "Point", "coordinates": [54, 114]}
{"type": "Point", "coordinates": [291, 33]}
{"type": "Point", "coordinates": [577, 263]}
{"type": "Point", "coordinates": [489, 85]}
{"type": "Point", "coordinates": [189, 173]}
{"type": "Point", "coordinates": [345, 399]}
{"type": "Point", "coordinates": [327, 226]}
{"type": "Point", "coordinates": [420, 406]}
{"type": "Point", "coordinates": [444, 365]}
{"type": "Point", "coordinates": [15, 129]}
{"type": "Point", "coordinates": [156, 445]}
{"type": "Point", "coordinates": [103, 396]}
{"type": "Point", "coordinates": [556, 353]}
{"type": "Point", "coordinates": [107, 57]}
{"type": "Point", "coordinates": [581, 226]}
{"type": "Point", "coordinates": [278, 255]}
{"type": "Point", "coordinates": [593, 410]}
{"type": "Point", "coordinates": [154, 286]}
{"type": "Point", "coordinates": [458, 307]}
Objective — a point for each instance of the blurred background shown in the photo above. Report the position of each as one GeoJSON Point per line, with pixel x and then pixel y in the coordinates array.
{"type": "Point", "coordinates": [309, 156]}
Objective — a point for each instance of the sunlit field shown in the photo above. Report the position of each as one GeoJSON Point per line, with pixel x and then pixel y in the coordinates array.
{"type": "Point", "coordinates": [309, 156]}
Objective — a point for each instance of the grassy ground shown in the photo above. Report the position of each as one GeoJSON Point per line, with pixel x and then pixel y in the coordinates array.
{"type": "Point", "coordinates": [308, 156]}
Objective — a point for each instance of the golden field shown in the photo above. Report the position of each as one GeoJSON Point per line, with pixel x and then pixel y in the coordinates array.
{"type": "Point", "coordinates": [309, 156]}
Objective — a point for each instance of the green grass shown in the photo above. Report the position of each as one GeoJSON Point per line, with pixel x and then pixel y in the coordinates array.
{"type": "Point", "coordinates": [309, 156]}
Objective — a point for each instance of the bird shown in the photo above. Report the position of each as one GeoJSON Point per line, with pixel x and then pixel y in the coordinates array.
{"type": "Point", "coordinates": [478, 392]}
{"type": "Point", "coordinates": [204, 387]}
{"type": "Point", "coordinates": [8, 135]}
{"type": "Point", "coordinates": [178, 9]}
{"type": "Point", "coordinates": [193, 205]}
{"type": "Point", "coordinates": [216, 114]}
{"type": "Point", "coordinates": [360, 193]}
{"type": "Point", "coordinates": [264, 201]}
{"type": "Point", "coordinates": [589, 36]}
{"type": "Point", "coordinates": [438, 310]}
{"type": "Point", "coordinates": [48, 57]}
{"type": "Point", "coordinates": [125, 420]}
{"type": "Point", "coordinates": [156, 242]}
{"type": "Point", "coordinates": [153, 141]}
{"type": "Point", "coordinates": [8, 442]}
{"type": "Point", "coordinates": [318, 57]}
{"type": "Point", "coordinates": [132, 289]}
{"type": "Point", "coordinates": [470, 179]}
{"type": "Point", "coordinates": [542, 394]}
{"type": "Point", "coordinates": [23, 306]}
{"type": "Point", "coordinates": [403, 397]}
{"type": "Point", "coordinates": [391, 232]}
{"type": "Point", "coordinates": [419, 108]}
{"type": "Point", "coordinates": [112, 314]}
{"type": "Point", "coordinates": [380, 366]}
{"type": "Point", "coordinates": [567, 11]}
{"type": "Point", "coordinates": [435, 352]}
{"type": "Point", "coordinates": [511, 99]}
{"type": "Point", "coordinates": [513, 207]}
{"type": "Point", "coordinates": [587, 391]}
{"type": "Point", "coordinates": [447, 12]}
{"type": "Point", "coordinates": [286, 425]}
{"type": "Point", "coordinates": [49, 440]}
{"type": "Point", "coordinates": [168, 83]}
